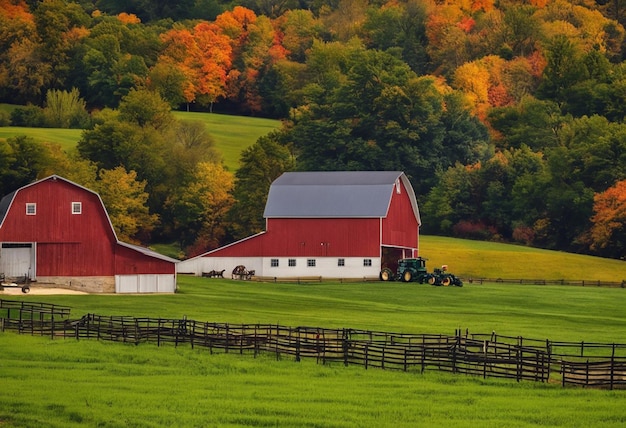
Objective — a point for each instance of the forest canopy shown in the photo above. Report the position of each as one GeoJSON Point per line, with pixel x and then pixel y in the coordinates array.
{"type": "Point", "coordinates": [507, 116]}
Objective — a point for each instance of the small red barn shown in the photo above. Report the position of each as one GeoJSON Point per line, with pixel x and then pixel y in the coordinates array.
{"type": "Point", "coordinates": [58, 232]}
{"type": "Point", "coordinates": [340, 224]}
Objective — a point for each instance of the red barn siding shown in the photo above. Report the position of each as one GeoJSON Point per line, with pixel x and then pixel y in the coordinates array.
{"type": "Point", "coordinates": [129, 261]}
{"type": "Point", "coordinates": [54, 221]}
{"type": "Point", "coordinates": [73, 244]}
{"type": "Point", "coordinates": [310, 238]}
{"type": "Point", "coordinates": [400, 226]}
{"type": "Point", "coordinates": [74, 259]}
{"type": "Point", "coordinates": [321, 237]}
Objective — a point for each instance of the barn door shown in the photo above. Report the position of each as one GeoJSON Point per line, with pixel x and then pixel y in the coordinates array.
{"type": "Point", "coordinates": [17, 260]}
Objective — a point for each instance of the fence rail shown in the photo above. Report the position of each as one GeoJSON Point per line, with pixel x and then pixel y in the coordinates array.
{"type": "Point", "coordinates": [487, 355]}
{"type": "Point", "coordinates": [539, 281]}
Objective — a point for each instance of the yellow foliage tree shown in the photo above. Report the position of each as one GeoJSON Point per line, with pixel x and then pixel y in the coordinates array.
{"type": "Point", "coordinates": [126, 202]}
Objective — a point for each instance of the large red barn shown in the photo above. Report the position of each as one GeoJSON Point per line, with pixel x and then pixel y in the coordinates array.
{"type": "Point", "coordinates": [339, 224]}
{"type": "Point", "coordinates": [58, 232]}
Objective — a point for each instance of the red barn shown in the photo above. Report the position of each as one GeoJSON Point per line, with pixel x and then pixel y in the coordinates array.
{"type": "Point", "coordinates": [344, 224]}
{"type": "Point", "coordinates": [58, 232]}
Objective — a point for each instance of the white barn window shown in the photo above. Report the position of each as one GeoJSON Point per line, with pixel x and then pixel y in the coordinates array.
{"type": "Point", "coordinates": [274, 263]}
{"type": "Point", "coordinates": [341, 262]}
{"type": "Point", "coordinates": [31, 208]}
{"type": "Point", "coordinates": [292, 262]}
{"type": "Point", "coordinates": [367, 262]}
{"type": "Point", "coordinates": [310, 262]}
{"type": "Point", "coordinates": [77, 207]}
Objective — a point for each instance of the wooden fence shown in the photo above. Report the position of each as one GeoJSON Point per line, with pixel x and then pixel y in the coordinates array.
{"type": "Point", "coordinates": [585, 364]}
{"type": "Point", "coordinates": [539, 281]}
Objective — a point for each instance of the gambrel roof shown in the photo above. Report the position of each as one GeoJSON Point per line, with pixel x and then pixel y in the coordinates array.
{"type": "Point", "coordinates": [336, 194]}
{"type": "Point", "coordinates": [6, 202]}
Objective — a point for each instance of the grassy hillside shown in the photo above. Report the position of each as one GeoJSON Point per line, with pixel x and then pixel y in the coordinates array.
{"type": "Point", "coordinates": [66, 138]}
{"type": "Point", "coordinates": [479, 259]}
{"type": "Point", "coordinates": [69, 383]}
{"type": "Point", "coordinates": [232, 134]}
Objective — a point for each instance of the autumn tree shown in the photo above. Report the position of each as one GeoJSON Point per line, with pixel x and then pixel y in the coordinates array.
{"type": "Point", "coordinates": [201, 207]}
{"type": "Point", "coordinates": [256, 47]}
{"type": "Point", "coordinates": [194, 64]}
{"type": "Point", "coordinates": [608, 231]}
{"type": "Point", "coordinates": [125, 199]}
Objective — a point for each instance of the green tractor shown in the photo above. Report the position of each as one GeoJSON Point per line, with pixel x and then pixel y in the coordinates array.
{"type": "Point", "coordinates": [442, 277]}
{"type": "Point", "coordinates": [414, 269]}
{"type": "Point", "coordinates": [408, 270]}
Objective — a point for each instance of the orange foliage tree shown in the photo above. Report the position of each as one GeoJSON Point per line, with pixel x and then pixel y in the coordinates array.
{"type": "Point", "coordinates": [203, 56]}
{"type": "Point", "coordinates": [256, 46]}
{"type": "Point", "coordinates": [608, 233]}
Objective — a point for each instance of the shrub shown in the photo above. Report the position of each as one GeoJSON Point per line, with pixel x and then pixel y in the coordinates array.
{"type": "Point", "coordinates": [474, 230]}
{"type": "Point", "coordinates": [5, 118]}
{"type": "Point", "coordinates": [29, 116]}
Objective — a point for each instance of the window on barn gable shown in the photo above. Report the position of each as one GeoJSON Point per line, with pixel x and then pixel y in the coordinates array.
{"type": "Point", "coordinates": [310, 262]}
{"type": "Point", "coordinates": [292, 262]}
{"type": "Point", "coordinates": [341, 262]}
{"type": "Point", "coordinates": [367, 262]}
{"type": "Point", "coordinates": [77, 207]}
{"type": "Point", "coordinates": [274, 262]}
{"type": "Point", "coordinates": [31, 208]}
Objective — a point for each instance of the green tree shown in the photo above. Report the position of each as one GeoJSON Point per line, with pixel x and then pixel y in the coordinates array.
{"type": "Point", "coordinates": [261, 164]}
{"type": "Point", "coordinates": [146, 109]}
{"type": "Point", "coordinates": [563, 70]}
{"type": "Point", "coordinates": [66, 109]}
{"type": "Point", "coordinates": [61, 26]}
{"type": "Point", "coordinates": [535, 123]}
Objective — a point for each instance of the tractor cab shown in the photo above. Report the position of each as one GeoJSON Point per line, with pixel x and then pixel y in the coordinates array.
{"type": "Point", "coordinates": [411, 270]}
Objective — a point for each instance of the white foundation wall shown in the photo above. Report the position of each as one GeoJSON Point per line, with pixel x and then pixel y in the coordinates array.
{"type": "Point", "coordinates": [325, 267]}
{"type": "Point", "coordinates": [145, 283]}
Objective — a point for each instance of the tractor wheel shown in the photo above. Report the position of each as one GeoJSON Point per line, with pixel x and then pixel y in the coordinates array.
{"type": "Point", "coordinates": [432, 280]}
{"type": "Point", "coordinates": [26, 289]}
{"type": "Point", "coordinates": [446, 281]}
{"type": "Point", "coordinates": [386, 275]}
{"type": "Point", "coordinates": [407, 276]}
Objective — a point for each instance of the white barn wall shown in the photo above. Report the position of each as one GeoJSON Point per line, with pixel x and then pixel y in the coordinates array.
{"type": "Point", "coordinates": [146, 283]}
{"type": "Point", "coordinates": [200, 265]}
{"type": "Point", "coordinates": [326, 267]}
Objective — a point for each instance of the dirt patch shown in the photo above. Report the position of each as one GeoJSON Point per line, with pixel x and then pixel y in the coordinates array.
{"type": "Point", "coordinates": [39, 291]}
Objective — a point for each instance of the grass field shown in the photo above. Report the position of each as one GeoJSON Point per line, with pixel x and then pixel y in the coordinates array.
{"type": "Point", "coordinates": [65, 383]}
{"type": "Point", "coordinates": [66, 138]}
{"type": "Point", "coordinates": [232, 134]}
{"type": "Point", "coordinates": [478, 259]}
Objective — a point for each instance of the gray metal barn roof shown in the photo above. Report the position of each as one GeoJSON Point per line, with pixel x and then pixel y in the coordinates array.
{"type": "Point", "coordinates": [333, 194]}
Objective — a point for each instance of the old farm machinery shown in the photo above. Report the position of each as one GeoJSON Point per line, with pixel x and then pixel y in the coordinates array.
{"type": "Point", "coordinates": [414, 270]}
{"type": "Point", "coordinates": [21, 282]}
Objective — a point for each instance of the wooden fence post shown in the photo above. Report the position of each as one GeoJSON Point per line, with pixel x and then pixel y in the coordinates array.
{"type": "Point", "coordinates": [612, 375]}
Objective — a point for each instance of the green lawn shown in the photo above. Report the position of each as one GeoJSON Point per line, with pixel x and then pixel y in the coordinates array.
{"type": "Point", "coordinates": [66, 138]}
{"type": "Point", "coordinates": [65, 383]}
{"type": "Point", "coordinates": [480, 259]}
{"type": "Point", "coordinates": [232, 134]}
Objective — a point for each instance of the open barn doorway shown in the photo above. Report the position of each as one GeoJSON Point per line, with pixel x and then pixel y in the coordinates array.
{"type": "Point", "coordinates": [390, 257]}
